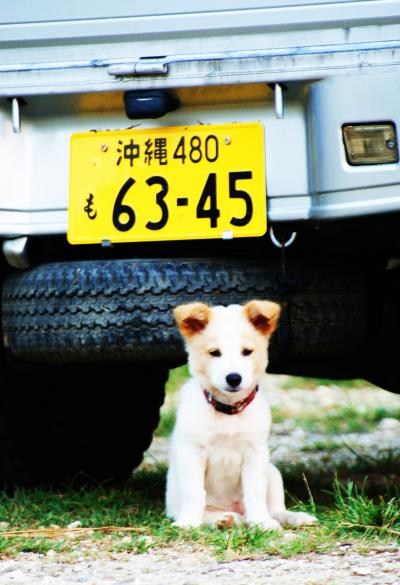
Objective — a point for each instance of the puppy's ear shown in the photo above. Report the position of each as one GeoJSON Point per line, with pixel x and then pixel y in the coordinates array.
{"type": "Point", "coordinates": [263, 315]}
{"type": "Point", "coordinates": [192, 318]}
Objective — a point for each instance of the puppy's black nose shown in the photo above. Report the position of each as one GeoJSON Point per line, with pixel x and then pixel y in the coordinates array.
{"type": "Point", "coordinates": [233, 379]}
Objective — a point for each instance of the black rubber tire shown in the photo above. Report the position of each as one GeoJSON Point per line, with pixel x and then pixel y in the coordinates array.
{"type": "Point", "coordinates": [383, 358]}
{"type": "Point", "coordinates": [77, 424]}
{"type": "Point", "coordinates": [115, 310]}
{"type": "Point", "coordinates": [121, 310]}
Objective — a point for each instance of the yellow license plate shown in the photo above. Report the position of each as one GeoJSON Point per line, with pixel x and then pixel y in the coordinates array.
{"type": "Point", "coordinates": [179, 183]}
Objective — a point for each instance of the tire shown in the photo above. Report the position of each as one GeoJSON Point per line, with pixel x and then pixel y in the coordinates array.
{"type": "Point", "coordinates": [385, 344]}
{"type": "Point", "coordinates": [121, 310]}
{"type": "Point", "coordinates": [77, 424]}
{"type": "Point", "coordinates": [118, 310]}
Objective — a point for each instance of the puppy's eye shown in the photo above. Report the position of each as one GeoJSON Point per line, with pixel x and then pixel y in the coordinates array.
{"type": "Point", "coordinates": [215, 353]}
{"type": "Point", "coordinates": [247, 351]}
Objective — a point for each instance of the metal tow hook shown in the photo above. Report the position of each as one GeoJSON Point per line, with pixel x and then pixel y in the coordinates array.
{"type": "Point", "coordinates": [282, 245]}
{"type": "Point", "coordinates": [16, 115]}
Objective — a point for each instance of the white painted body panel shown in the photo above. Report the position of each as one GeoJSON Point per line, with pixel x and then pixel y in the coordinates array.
{"type": "Point", "coordinates": [340, 60]}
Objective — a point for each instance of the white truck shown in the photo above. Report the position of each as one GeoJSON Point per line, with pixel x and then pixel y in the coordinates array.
{"type": "Point", "coordinates": [160, 153]}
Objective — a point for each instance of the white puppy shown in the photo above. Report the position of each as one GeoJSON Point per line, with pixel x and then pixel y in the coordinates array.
{"type": "Point", "coordinates": [219, 470]}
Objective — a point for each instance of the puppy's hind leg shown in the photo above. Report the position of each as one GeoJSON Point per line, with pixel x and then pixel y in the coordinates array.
{"type": "Point", "coordinates": [276, 502]}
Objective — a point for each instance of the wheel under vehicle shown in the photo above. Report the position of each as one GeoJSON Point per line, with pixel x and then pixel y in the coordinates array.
{"type": "Point", "coordinates": [121, 310]}
{"type": "Point", "coordinates": [77, 424]}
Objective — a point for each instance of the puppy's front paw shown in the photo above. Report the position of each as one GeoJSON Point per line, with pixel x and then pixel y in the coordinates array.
{"type": "Point", "coordinates": [304, 519]}
{"type": "Point", "coordinates": [296, 518]}
{"type": "Point", "coordinates": [186, 523]}
{"type": "Point", "coordinates": [271, 525]}
{"type": "Point", "coordinates": [267, 524]}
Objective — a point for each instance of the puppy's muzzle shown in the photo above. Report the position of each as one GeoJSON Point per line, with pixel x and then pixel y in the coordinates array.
{"type": "Point", "coordinates": [233, 381]}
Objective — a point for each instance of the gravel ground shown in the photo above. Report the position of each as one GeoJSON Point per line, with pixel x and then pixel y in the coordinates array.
{"type": "Point", "coordinates": [184, 566]}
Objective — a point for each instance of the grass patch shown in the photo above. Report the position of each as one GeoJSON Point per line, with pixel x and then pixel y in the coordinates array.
{"type": "Point", "coordinates": [243, 542]}
{"type": "Point", "coordinates": [176, 378]}
{"type": "Point", "coordinates": [355, 512]}
{"type": "Point", "coordinates": [131, 519]}
{"type": "Point", "coordinates": [167, 422]}
{"type": "Point", "coordinates": [344, 419]}
{"type": "Point", "coordinates": [10, 546]}
{"type": "Point", "coordinates": [308, 383]}
{"type": "Point", "coordinates": [322, 445]}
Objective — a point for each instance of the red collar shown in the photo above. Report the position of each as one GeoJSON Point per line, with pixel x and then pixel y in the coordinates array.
{"type": "Point", "coordinates": [235, 408]}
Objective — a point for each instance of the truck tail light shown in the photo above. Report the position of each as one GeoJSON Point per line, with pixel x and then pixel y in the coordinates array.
{"type": "Point", "coordinates": [370, 144]}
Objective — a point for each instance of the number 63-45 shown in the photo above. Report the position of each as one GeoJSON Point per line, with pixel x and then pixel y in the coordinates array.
{"type": "Point", "coordinates": [124, 216]}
